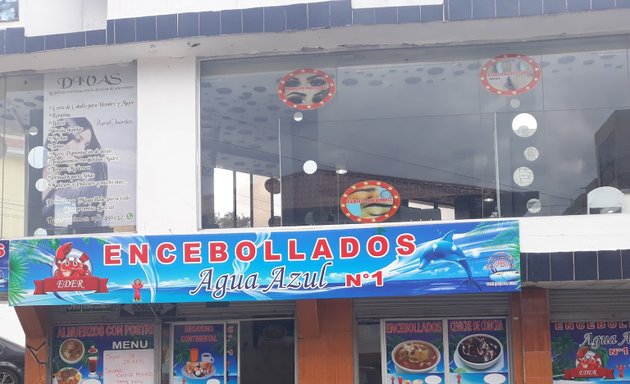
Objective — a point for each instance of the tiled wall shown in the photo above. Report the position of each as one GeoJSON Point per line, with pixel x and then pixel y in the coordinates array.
{"type": "Point", "coordinates": [576, 266]}
{"type": "Point", "coordinates": [295, 17]}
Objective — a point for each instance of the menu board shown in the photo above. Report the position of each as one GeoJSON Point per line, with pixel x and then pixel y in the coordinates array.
{"type": "Point", "coordinates": [129, 367]}
{"type": "Point", "coordinates": [414, 351]}
{"type": "Point", "coordinates": [455, 351]}
{"type": "Point", "coordinates": [205, 353]}
{"type": "Point", "coordinates": [593, 352]}
{"type": "Point", "coordinates": [103, 353]}
{"type": "Point", "coordinates": [90, 148]}
{"type": "Point", "coordinates": [478, 351]}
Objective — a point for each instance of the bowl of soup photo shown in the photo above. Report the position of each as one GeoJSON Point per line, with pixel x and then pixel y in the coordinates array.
{"type": "Point", "coordinates": [479, 351]}
{"type": "Point", "coordinates": [71, 351]}
{"type": "Point", "coordinates": [68, 375]}
{"type": "Point", "coordinates": [415, 356]}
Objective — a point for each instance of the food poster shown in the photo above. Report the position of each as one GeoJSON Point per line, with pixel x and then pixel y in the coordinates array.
{"type": "Point", "coordinates": [205, 353]}
{"type": "Point", "coordinates": [478, 351]}
{"type": "Point", "coordinates": [590, 352]}
{"type": "Point", "coordinates": [89, 149]}
{"type": "Point", "coordinates": [4, 267]}
{"type": "Point", "coordinates": [414, 352]}
{"type": "Point", "coordinates": [103, 353]}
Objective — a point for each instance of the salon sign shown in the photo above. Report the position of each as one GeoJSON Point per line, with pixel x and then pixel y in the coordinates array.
{"type": "Point", "coordinates": [306, 89]}
{"type": "Point", "coordinates": [386, 260]}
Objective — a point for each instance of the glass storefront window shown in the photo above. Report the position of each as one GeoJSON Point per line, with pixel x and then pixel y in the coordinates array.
{"type": "Point", "coordinates": [368, 339]}
{"type": "Point", "coordinates": [68, 164]}
{"type": "Point", "coordinates": [449, 351]}
{"type": "Point", "coordinates": [246, 351]}
{"type": "Point", "coordinates": [457, 133]}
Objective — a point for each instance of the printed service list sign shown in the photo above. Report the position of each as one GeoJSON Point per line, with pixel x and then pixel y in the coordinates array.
{"type": "Point", "coordinates": [129, 367]}
{"type": "Point", "coordinates": [593, 352]}
{"type": "Point", "coordinates": [90, 147]}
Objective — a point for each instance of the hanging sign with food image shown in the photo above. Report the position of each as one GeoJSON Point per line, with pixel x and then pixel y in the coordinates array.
{"type": "Point", "coordinates": [414, 351]}
{"type": "Point", "coordinates": [94, 354]}
{"type": "Point", "coordinates": [204, 352]}
{"type": "Point", "coordinates": [370, 201]}
{"type": "Point", "coordinates": [306, 89]}
{"type": "Point", "coordinates": [590, 351]}
{"type": "Point", "coordinates": [478, 350]}
{"type": "Point", "coordinates": [510, 74]}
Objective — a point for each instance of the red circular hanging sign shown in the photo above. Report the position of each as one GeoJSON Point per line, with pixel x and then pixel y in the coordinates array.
{"type": "Point", "coordinates": [510, 74]}
{"type": "Point", "coordinates": [370, 201]}
{"type": "Point", "coordinates": [306, 89]}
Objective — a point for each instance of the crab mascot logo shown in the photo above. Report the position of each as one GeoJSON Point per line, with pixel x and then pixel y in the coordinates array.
{"type": "Point", "coordinates": [588, 365]}
{"type": "Point", "coordinates": [71, 271]}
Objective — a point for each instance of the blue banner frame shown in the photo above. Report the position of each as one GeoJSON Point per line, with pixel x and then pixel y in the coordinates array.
{"type": "Point", "coordinates": [341, 262]}
{"type": "Point", "coordinates": [4, 267]}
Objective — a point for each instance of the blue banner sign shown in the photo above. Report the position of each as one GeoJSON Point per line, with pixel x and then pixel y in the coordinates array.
{"type": "Point", "coordinates": [590, 351]}
{"type": "Point", "coordinates": [4, 267]}
{"type": "Point", "coordinates": [385, 260]}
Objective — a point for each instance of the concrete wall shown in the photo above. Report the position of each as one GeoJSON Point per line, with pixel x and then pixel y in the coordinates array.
{"type": "Point", "coordinates": [167, 146]}
{"type": "Point", "coordinates": [117, 9]}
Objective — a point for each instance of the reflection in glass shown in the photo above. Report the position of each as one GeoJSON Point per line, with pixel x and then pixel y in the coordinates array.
{"type": "Point", "coordinates": [534, 205]}
{"type": "Point", "coordinates": [524, 125]}
{"type": "Point", "coordinates": [41, 184]}
{"type": "Point", "coordinates": [36, 157]}
{"type": "Point", "coordinates": [531, 153]}
{"type": "Point", "coordinates": [523, 176]}
{"type": "Point", "coordinates": [40, 232]}
{"type": "Point", "coordinates": [14, 117]}
{"type": "Point", "coordinates": [369, 352]}
{"type": "Point", "coordinates": [421, 121]}
{"type": "Point", "coordinates": [309, 167]}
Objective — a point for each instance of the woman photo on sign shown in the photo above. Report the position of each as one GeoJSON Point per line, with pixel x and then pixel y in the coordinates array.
{"type": "Point", "coordinates": [374, 201]}
{"type": "Point", "coordinates": [76, 175]}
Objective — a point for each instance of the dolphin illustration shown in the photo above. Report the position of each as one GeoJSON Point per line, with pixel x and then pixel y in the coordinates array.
{"type": "Point", "coordinates": [434, 251]}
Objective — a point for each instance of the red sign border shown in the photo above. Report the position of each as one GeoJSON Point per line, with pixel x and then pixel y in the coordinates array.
{"type": "Point", "coordinates": [331, 89]}
{"type": "Point", "coordinates": [378, 219]}
{"type": "Point", "coordinates": [484, 72]}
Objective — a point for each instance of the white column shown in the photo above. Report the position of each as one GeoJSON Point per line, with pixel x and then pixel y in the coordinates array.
{"type": "Point", "coordinates": [167, 146]}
